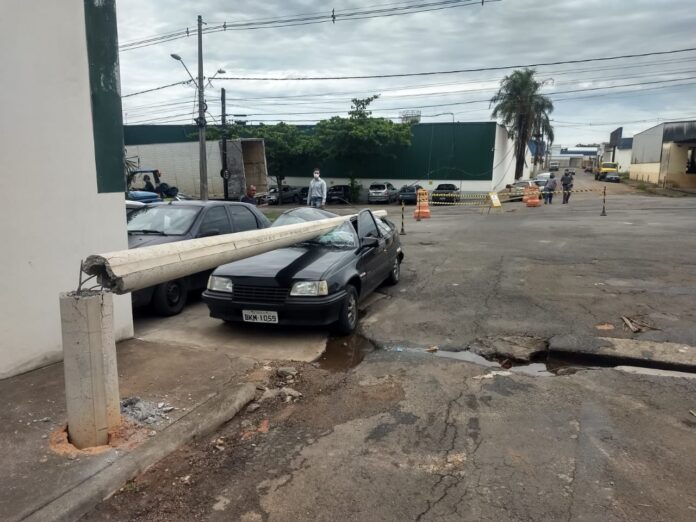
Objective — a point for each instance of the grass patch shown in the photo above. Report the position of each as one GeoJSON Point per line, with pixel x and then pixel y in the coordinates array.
{"type": "Point", "coordinates": [641, 186]}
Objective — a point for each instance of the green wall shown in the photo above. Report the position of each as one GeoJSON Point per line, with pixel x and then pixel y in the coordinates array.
{"type": "Point", "coordinates": [450, 151]}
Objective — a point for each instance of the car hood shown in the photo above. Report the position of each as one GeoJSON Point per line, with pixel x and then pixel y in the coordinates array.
{"type": "Point", "coordinates": [141, 240]}
{"type": "Point", "coordinates": [287, 264]}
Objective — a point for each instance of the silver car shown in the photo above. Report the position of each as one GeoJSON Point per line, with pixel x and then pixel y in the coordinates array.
{"type": "Point", "coordinates": [382, 192]}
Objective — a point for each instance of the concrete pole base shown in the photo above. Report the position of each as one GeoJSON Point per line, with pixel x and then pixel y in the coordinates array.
{"type": "Point", "coordinates": [91, 375]}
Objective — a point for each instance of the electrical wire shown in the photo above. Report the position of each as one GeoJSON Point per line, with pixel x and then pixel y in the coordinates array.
{"type": "Point", "coordinates": [457, 71]}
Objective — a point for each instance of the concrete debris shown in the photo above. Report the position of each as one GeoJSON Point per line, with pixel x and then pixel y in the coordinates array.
{"type": "Point", "coordinates": [289, 392]}
{"type": "Point", "coordinates": [160, 405]}
{"type": "Point", "coordinates": [185, 480]}
{"type": "Point", "coordinates": [45, 419]}
{"type": "Point", "coordinates": [167, 409]}
{"type": "Point", "coordinates": [432, 349]}
{"type": "Point", "coordinates": [139, 410]}
{"type": "Point", "coordinates": [253, 407]}
{"type": "Point", "coordinates": [493, 374]}
{"type": "Point", "coordinates": [692, 412]}
{"type": "Point", "coordinates": [261, 387]}
{"type": "Point", "coordinates": [269, 394]}
{"type": "Point", "coordinates": [286, 371]}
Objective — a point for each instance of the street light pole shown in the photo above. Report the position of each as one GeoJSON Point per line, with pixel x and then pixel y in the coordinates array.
{"type": "Point", "coordinates": [223, 124]}
{"type": "Point", "coordinates": [203, 160]}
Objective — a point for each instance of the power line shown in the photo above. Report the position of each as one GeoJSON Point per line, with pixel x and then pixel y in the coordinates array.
{"type": "Point", "coordinates": [455, 71]}
{"type": "Point", "coordinates": [332, 17]}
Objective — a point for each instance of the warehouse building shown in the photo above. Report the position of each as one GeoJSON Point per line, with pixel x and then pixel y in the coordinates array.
{"type": "Point", "coordinates": [477, 156]}
{"type": "Point", "coordinates": [666, 155]}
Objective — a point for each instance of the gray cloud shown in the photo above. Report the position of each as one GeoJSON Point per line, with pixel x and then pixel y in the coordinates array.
{"type": "Point", "coordinates": [502, 33]}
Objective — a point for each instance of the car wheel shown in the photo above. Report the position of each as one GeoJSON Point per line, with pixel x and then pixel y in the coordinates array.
{"type": "Point", "coordinates": [170, 298]}
{"type": "Point", "coordinates": [348, 317]}
{"type": "Point", "coordinates": [395, 273]}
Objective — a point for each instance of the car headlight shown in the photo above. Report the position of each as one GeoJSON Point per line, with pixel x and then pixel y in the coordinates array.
{"type": "Point", "coordinates": [220, 284]}
{"type": "Point", "coordinates": [310, 288]}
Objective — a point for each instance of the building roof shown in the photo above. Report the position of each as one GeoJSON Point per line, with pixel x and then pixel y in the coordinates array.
{"type": "Point", "coordinates": [625, 144]}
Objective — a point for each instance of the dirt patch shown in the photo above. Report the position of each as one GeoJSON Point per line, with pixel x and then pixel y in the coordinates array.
{"type": "Point", "coordinates": [251, 450]}
{"type": "Point", "coordinates": [126, 437]}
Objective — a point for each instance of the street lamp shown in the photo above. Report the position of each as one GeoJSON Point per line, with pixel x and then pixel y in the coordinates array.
{"type": "Point", "coordinates": [219, 71]}
{"type": "Point", "coordinates": [200, 121]}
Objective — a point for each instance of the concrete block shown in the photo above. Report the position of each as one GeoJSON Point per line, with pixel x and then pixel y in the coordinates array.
{"type": "Point", "coordinates": [91, 374]}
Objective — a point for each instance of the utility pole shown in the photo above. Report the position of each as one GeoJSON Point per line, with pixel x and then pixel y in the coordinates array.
{"type": "Point", "coordinates": [223, 123]}
{"type": "Point", "coordinates": [203, 162]}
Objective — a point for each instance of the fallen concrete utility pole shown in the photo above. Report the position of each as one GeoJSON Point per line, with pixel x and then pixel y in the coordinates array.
{"type": "Point", "coordinates": [89, 348]}
{"type": "Point", "coordinates": [129, 270]}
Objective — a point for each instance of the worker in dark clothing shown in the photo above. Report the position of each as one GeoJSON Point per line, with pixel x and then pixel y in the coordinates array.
{"type": "Point", "coordinates": [250, 196]}
{"type": "Point", "coordinates": [567, 183]}
{"type": "Point", "coordinates": [149, 187]}
{"type": "Point", "coordinates": [549, 189]}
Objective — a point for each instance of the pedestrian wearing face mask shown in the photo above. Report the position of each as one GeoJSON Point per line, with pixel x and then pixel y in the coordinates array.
{"type": "Point", "coordinates": [316, 195]}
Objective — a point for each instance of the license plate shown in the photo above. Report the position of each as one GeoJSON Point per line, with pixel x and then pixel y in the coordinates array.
{"type": "Point", "coordinates": [259, 316]}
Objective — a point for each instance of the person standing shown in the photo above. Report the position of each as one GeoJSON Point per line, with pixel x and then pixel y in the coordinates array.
{"type": "Point", "coordinates": [250, 196]}
{"type": "Point", "coordinates": [316, 195]}
{"type": "Point", "coordinates": [149, 187]}
{"type": "Point", "coordinates": [549, 189]}
{"type": "Point", "coordinates": [567, 183]}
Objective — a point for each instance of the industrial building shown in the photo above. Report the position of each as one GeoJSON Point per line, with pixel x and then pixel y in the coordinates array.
{"type": "Point", "coordinates": [476, 156]}
{"type": "Point", "coordinates": [666, 155]}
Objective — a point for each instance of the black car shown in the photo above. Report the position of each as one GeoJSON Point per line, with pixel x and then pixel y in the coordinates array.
{"type": "Point", "coordinates": [318, 282]}
{"type": "Point", "coordinates": [338, 194]}
{"type": "Point", "coordinates": [160, 223]}
{"type": "Point", "coordinates": [408, 194]}
{"type": "Point", "coordinates": [445, 193]}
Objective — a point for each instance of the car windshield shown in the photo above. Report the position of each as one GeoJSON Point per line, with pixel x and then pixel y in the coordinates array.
{"type": "Point", "coordinates": [446, 186]}
{"type": "Point", "coordinates": [408, 189]}
{"type": "Point", "coordinates": [342, 236]}
{"type": "Point", "coordinates": [162, 219]}
{"type": "Point", "coordinates": [608, 165]}
{"type": "Point", "coordinates": [377, 187]}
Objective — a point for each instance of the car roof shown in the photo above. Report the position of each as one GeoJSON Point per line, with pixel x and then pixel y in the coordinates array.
{"type": "Point", "coordinates": [198, 203]}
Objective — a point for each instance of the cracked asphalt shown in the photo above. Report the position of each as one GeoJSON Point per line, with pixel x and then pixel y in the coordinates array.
{"type": "Point", "coordinates": [410, 436]}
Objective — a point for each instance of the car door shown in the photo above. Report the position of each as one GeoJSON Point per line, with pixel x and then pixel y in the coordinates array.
{"type": "Point", "coordinates": [372, 258]}
{"type": "Point", "coordinates": [243, 219]}
{"type": "Point", "coordinates": [215, 222]}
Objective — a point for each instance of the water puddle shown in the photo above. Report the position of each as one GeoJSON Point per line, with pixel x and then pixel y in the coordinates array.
{"type": "Point", "coordinates": [344, 353]}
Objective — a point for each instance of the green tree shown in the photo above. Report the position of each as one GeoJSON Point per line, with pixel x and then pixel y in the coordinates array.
{"type": "Point", "coordinates": [524, 111]}
{"type": "Point", "coordinates": [360, 138]}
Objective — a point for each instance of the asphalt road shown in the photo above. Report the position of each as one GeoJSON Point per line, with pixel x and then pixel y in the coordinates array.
{"type": "Point", "coordinates": [411, 435]}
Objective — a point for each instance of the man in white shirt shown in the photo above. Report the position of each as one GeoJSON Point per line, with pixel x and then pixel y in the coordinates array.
{"type": "Point", "coordinates": [316, 195]}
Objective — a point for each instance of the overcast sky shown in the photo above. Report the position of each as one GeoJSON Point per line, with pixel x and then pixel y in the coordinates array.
{"type": "Point", "coordinates": [507, 32]}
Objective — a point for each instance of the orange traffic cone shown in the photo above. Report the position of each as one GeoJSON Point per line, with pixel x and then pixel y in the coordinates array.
{"type": "Point", "coordinates": [422, 207]}
{"type": "Point", "coordinates": [533, 199]}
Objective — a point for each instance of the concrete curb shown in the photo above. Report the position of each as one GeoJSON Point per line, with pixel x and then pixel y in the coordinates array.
{"type": "Point", "coordinates": [204, 419]}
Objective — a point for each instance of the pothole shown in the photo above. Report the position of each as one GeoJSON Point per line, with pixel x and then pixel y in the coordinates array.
{"type": "Point", "coordinates": [343, 353]}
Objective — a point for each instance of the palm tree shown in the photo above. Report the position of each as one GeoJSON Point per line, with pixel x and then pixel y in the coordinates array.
{"type": "Point", "coordinates": [524, 111]}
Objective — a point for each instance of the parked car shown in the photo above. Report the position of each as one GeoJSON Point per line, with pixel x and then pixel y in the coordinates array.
{"type": "Point", "coordinates": [381, 193]}
{"type": "Point", "coordinates": [142, 196]}
{"type": "Point", "coordinates": [542, 177]}
{"type": "Point", "coordinates": [160, 223]}
{"type": "Point", "coordinates": [516, 191]}
{"type": "Point", "coordinates": [554, 166]}
{"type": "Point", "coordinates": [338, 194]}
{"type": "Point", "coordinates": [304, 192]}
{"type": "Point", "coordinates": [132, 206]}
{"type": "Point", "coordinates": [445, 193]}
{"type": "Point", "coordinates": [408, 194]}
{"type": "Point", "coordinates": [612, 177]}
{"type": "Point", "coordinates": [318, 282]}
{"type": "Point", "coordinates": [606, 168]}
{"type": "Point", "coordinates": [287, 194]}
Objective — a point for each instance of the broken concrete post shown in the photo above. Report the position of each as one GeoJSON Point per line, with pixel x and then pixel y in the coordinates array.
{"type": "Point", "coordinates": [89, 359]}
{"type": "Point", "coordinates": [129, 270]}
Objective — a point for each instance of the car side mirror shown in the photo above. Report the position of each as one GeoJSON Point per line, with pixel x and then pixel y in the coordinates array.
{"type": "Point", "coordinates": [209, 233]}
{"type": "Point", "coordinates": [369, 242]}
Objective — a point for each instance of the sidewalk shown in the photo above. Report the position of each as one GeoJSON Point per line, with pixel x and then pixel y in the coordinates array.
{"type": "Point", "coordinates": [38, 468]}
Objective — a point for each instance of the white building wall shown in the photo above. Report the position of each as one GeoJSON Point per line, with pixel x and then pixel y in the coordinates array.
{"type": "Point", "coordinates": [623, 158]}
{"type": "Point", "coordinates": [504, 161]}
{"type": "Point", "coordinates": [178, 164]}
{"type": "Point", "coordinates": [48, 156]}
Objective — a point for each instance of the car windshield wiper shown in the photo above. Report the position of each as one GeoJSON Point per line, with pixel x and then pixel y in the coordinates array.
{"type": "Point", "coordinates": [147, 231]}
